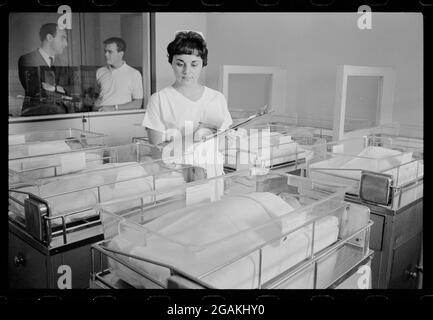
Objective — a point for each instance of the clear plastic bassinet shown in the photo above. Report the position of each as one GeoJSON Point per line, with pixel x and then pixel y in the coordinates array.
{"type": "Point", "coordinates": [37, 143]}
{"type": "Point", "coordinates": [266, 230]}
{"type": "Point", "coordinates": [60, 209]}
{"type": "Point", "coordinates": [386, 168]}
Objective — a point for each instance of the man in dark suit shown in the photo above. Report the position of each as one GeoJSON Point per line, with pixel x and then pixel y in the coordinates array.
{"type": "Point", "coordinates": [43, 94]}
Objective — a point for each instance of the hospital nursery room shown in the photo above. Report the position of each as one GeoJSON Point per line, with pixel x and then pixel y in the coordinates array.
{"type": "Point", "coordinates": [215, 151]}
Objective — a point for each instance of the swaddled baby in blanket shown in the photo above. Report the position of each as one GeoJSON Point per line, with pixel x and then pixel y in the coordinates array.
{"type": "Point", "coordinates": [54, 165]}
{"type": "Point", "coordinates": [50, 158]}
{"type": "Point", "coordinates": [199, 239]}
{"type": "Point", "coordinates": [80, 192]}
{"type": "Point", "coordinates": [372, 158]}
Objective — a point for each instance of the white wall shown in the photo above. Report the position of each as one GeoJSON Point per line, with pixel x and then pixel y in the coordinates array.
{"type": "Point", "coordinates": [166, 25]}
{"type": "Point", "coordinates": [311, 45]}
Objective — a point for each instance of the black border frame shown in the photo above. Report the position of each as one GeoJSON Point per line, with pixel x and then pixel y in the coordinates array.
{"type": "Point", "coordinates": [154, 302]}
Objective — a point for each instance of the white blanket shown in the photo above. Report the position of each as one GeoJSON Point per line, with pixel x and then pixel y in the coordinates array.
{"type": "Point", "coordinates": [49, 166]}
{"type": "Point", "coordinates": [376, 159]}
{"type": "Point", "coordinates": [188, 230]}
{"type": "Point", "coordinates": [134, 186]}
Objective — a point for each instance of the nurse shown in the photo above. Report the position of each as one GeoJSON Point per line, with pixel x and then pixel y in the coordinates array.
{"type": "Point", "coordinates": [186, 105]}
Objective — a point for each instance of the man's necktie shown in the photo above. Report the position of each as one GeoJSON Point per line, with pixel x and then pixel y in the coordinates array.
{"type": "Point", "coordinates": [52, 71]}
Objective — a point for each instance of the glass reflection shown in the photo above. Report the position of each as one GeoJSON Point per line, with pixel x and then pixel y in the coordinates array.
{"type": "Point", "coordinates": [53, 71]}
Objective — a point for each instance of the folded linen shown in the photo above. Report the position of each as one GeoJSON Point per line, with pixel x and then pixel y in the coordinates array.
{"type": "Point", "coordinates": [264, 148]}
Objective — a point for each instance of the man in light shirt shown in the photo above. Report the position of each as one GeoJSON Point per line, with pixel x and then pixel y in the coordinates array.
{"type": "Point", "coordinates": [37, 74]}
{"type": "Point", "coordinates": [121, 86]}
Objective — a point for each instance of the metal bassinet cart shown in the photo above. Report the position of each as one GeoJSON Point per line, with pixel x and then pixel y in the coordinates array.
{"type": "Point", "coordinates": [268, 230]}
{"type": "Point", "coordinates": [384, 171]}
{"type": "Point", "coordinates": [52, 216]}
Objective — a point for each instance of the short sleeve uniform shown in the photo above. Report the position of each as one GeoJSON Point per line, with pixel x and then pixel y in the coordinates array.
{"type": "Point", "coordinates": [169, 109]}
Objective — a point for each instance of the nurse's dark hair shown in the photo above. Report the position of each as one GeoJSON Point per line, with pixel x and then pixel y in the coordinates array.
{"type": "Point", "coordinates": [189, 42]}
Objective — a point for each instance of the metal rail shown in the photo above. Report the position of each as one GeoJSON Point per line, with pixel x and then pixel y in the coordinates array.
{"type": "Point", "coordinates": [272, 283]}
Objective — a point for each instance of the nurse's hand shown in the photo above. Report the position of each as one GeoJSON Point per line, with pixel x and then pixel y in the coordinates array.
{"type": "Point", "coordinates": [204, 130]}
{"type": "Point", "coordinates": [202, 133]}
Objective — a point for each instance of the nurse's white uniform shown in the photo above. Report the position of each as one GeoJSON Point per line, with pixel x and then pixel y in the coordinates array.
{"type": "Point", "coordinates": [169, 109]}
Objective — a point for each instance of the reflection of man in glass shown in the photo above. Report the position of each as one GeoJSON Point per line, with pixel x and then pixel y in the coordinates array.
{"type": "Point", "coordinates": [37, 74]}
{"type": "Point", "coordinates": [121, 86]}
